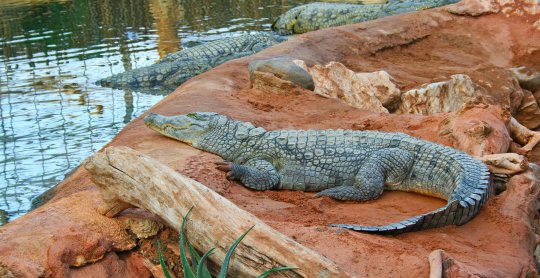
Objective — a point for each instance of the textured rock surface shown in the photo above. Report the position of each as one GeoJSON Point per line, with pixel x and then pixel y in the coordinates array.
{"type": "Point", "coordinates": [448, 96]}
{"type": "Point", "coordinates": [415, 49]}
{"type": "Point", "coordinates": [478, 130]}
{"type": "Point", "coordinates": [65, 239]}
{"type": "Point", "coordinates": [368, 91]}
{"type": "Point", "coordinates": [142, 227]}
{"type": "Point", "coordinates": [333, 81]}
{"type": "Point", "coordinates": [384, 87]}
{"type": "Point", "coordinates": [445, 96]}
{"type": "Point", "coordinates": [474, 7]}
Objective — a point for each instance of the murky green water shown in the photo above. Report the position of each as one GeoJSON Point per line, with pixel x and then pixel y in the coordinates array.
{"type": "Point", "coordinates": [52, 114]}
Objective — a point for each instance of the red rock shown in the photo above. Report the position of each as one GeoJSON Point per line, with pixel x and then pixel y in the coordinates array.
{"type": "Point", "coordinates": [414, 48]}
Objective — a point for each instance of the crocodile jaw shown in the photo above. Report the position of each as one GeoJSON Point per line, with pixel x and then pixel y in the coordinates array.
{"type": "Point", "coordinates": [189, 128]}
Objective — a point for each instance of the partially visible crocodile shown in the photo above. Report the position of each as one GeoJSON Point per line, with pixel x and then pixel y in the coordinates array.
{"type": "Point", "coordinates": [314, 16]}
{"type": "Point", "coordinates": [177, 68]}
{"type": "Point", "coordinates": [342, 164]}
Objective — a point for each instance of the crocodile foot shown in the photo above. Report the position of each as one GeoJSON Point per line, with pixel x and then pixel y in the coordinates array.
{"type": "Point", "coordinates": [227, 167]}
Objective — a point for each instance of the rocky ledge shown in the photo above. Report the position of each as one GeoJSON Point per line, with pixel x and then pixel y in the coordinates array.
{"type": "Point", "coordinates": [480, 39]}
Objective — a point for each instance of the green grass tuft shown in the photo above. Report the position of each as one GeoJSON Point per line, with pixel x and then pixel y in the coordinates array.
{"type": "Point", "coordinates": [198, 268]}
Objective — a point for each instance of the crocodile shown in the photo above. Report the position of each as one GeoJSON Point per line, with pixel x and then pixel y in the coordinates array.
{"type": "Point", "coordinates": [342, 164]}
{"type": "Point", "coordinates": [175, 69]}
{"type": "Point", "coordinates": [314, 16]}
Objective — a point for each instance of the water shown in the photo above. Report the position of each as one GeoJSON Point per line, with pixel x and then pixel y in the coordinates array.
{"type": "Point", "coordinates": [53, 51]}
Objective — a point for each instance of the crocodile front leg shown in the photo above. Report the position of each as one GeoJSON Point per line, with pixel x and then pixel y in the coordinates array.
{"type": "Point", "coordinates": [256, 174]}
{"type": "Point", "coordinates": [387, 166]}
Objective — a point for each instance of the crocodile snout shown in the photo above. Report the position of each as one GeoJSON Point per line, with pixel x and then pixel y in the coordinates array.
{"type": "Point", "coordinates": [153, 121]}
{"type": "Point", "coordinates": [150, 118]}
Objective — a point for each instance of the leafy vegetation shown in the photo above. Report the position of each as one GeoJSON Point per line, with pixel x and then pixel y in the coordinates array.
{"type": "Point", "coordinates": [198, 268]}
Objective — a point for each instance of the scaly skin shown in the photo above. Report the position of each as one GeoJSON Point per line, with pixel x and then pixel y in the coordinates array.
{"type": "Point", "coordinates": [314, 16]}
{"type": "Point", "coordinates": [177, 68]}
{"type": "Point", "coordinates": [342, 164]}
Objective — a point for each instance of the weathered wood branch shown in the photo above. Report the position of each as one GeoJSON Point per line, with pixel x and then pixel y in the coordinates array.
{"type": "Point", "coordinates": [129, 178]}
{"type": "Point", "coordinates": [524, 136]}
{"type": "Point", "coordinates": [435, 264]}
{"type": "Point", "coordinates": [505, 163]}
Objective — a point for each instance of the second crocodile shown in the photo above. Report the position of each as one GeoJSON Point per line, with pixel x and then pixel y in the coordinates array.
{"type": "Point", "coordinates": [177, 68]}
{"type": "Point", "coordinates": [315, 16]}
{"type": "Point", "coordinates": [342, 164]}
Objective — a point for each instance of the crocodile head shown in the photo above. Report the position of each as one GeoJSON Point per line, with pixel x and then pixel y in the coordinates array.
{"type": "Point", "coordinates": [189, 128]}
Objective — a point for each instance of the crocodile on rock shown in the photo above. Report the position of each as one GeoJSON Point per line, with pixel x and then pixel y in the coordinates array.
{"type": "Point", "coordinates": [342, 164]}
{"type": "Point", "coordinates": [315, 16]}
{"type": "Point", "coordinates": [177, 68]}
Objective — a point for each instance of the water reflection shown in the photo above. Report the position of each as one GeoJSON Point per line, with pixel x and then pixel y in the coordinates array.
{"type": "Point", "coordinates": [166, 13]}
{"type": "Point", "coordinates": [52, 116]}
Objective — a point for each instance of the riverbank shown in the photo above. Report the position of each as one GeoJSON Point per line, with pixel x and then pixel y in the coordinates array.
{"type": "Point", "coordinates": [67, 236]}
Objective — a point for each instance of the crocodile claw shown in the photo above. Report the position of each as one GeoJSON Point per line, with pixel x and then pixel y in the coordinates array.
{"type": "Point", "coordinates": [226, 166]}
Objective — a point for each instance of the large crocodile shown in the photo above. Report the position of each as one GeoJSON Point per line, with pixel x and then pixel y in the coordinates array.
{"type": "Point", "coordinates": [314, 16]}
{"type": "Point", "coordinates": [342, 164]}
{"type": "Point", "coordinates": [177, 68]}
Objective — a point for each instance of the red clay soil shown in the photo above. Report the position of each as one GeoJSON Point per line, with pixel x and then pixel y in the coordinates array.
{"type": "Point", "coordinates": [414, 48]}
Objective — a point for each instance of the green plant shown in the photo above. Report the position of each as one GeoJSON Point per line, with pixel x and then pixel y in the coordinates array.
{"type": "Point", "coordinates": [198, 268]}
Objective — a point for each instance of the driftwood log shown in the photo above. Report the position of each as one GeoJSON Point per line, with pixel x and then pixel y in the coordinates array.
{"type": "Point", "coordinates": [128, 178]}
{"type": "Point", "coordinates": [505, 163]}
{"type": "Point", "coordinates": [435, 264]}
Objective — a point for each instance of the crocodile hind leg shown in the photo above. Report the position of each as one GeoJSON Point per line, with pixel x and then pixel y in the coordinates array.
{"type": "Point", "coordinates": [386, 166]}
{"type": "Point", "coordinates": [256, 174]}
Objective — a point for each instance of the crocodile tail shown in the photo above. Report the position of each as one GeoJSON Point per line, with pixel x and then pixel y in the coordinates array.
{"type": "Point", "coordinates": [455, 212]}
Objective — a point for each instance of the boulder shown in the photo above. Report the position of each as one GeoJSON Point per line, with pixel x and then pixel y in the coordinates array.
{"type": "Point", "coordinates": [439, 97]}
{"type": "Point", "coordinates": [283, 68]}
{"type": "Point", "coordinates": [528, 78]}
{"type": "Point", "coordinates": [384, 85]}
{"type": "Point", "coordinates": [477, 129]}
{"type": "Point", "coordinates": [474, 7]}
{"type": "Point", "coordinates": [64, 238]}
{"type": "Point", "coordinates": [374, 91]}
{"type": "Point", "coordinates": [380, 82]}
